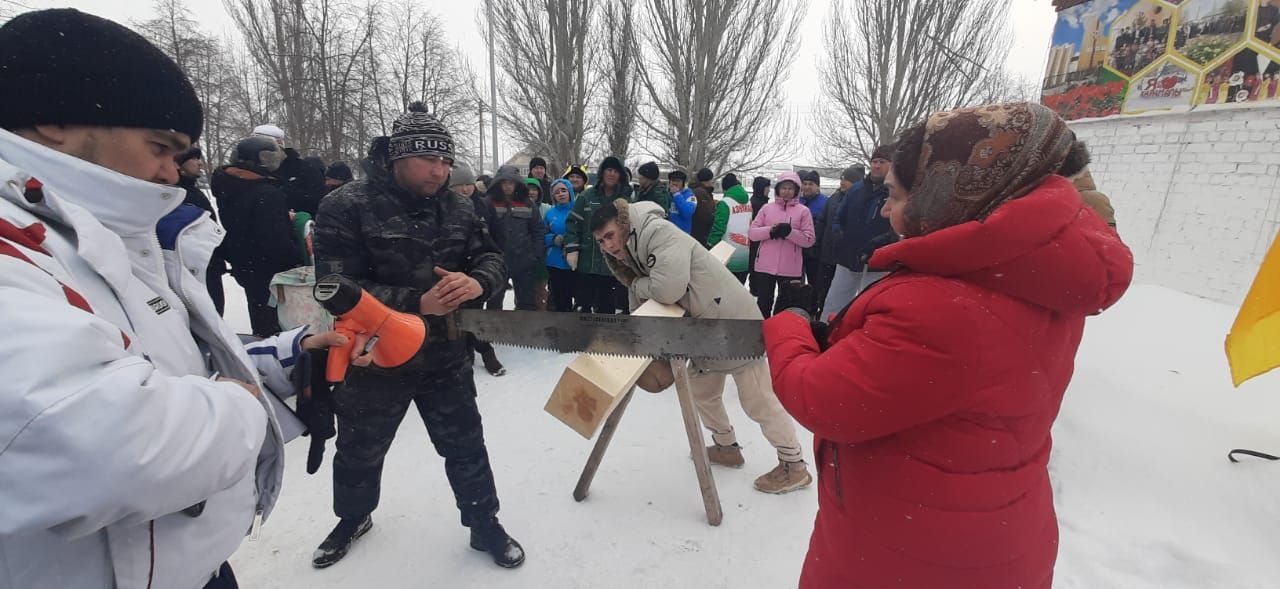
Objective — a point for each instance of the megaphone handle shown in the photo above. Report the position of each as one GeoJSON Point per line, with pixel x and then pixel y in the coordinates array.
{"type": "Point", "coordinates": [335, 370]}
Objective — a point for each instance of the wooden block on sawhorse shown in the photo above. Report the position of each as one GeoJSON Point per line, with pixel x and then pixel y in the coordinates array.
{"type": "Point", "coordinates": [592, 386]}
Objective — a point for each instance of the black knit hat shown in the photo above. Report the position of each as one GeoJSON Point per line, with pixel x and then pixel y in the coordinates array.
{"type": "Point", "coordinates": [191, 154]}
{"type": "Point", "coordinates": [535, 162]}
{"type": "Point", "coordinates": [729, 181]}
{"type": "Point", "coordinates": [854, 173]}
{"type": "Point", "coordinates": [678, 175]}
{"type": "Point", "coordinates": [649, 170]}
{"type": "Point", "coordinates": [811, 176]}
{"type": "Point", "coordinates": [884, 152]}
{"type": "Point", "coordinates": [65, 67]}
{"type": "Point", "coordinates": [760, 183]}
{"type": "Point", "coordinates": [339, 171]}
{"type": "Point", "coordinates": [705, 175]}
{"type": "Point", "coordinates": [418, 132]}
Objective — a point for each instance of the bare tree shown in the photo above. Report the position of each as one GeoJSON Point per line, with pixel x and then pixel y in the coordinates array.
{"type": "Point", "coordinates": [622, 101]}
{"type": "Point", "coordinates": [543, 51]}
{"type": "Point", "coordinates": [889, 64]}
{"type": "Point", "coordinates": [714, 74]}
{"type": "Point", "coordinates": [340, 36]}
{"type": "Point", "coordinates": [205, 62]}
{"type": "Point", "coordinates": [275, 32]}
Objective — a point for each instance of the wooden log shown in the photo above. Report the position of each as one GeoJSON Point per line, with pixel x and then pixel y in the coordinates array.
{"type": "Point", "coordinates": [592, 386]}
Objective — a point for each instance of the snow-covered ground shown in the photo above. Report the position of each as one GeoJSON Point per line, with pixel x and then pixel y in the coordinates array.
{"type": "Point", "coordinates": [1145, 495]}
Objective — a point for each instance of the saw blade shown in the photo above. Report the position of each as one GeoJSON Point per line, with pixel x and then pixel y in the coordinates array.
{"type": "Point", "coordinates": [618, 335]}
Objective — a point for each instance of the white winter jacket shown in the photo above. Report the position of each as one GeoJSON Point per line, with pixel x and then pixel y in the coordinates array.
{"type": "Point", "coordinates": [110, 423]}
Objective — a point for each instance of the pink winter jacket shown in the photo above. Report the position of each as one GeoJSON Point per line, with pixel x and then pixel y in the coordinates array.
{"type": "Point", "coordinates": [783, 257]}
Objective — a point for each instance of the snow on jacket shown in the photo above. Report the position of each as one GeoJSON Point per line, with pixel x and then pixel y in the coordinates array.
{"type": "Point", "coordinates": [677, 270]}
{"type": "Point", "coordinates": [109, 423]}
{"type": "Point", "coordinates": [783, 257]}
{"type": "Point", "coordinates": [683, 205]}
{"type": "Point", "coordinates": [733, 220]}
{"type": "Point", "coordinates": [519, 222]}
{"type": "Point", "coordinates": [555, 220]}
{"type": "Point", "coordinates": [931, 409]}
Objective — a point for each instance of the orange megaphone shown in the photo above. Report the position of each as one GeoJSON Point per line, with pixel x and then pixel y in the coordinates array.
{"type": "Point", "coordinates": [391, 337]}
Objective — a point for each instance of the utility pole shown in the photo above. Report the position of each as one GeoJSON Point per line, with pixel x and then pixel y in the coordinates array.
{"type": "Point", "coordinates": [493, 87]}
{"type": "Point", "coordinates": [481, 170]}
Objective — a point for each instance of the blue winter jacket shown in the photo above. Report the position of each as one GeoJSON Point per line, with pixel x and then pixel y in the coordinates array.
{"type": "Point", "coordinates": [816, 205]}
{"type": "Point", "coordinates": [555, 221]}
{"type": "Point", "coordinates": [683, 204]}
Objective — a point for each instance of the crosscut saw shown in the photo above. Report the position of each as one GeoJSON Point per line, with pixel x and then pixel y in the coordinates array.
{"type": "Point", "coordinates": [618, 335]}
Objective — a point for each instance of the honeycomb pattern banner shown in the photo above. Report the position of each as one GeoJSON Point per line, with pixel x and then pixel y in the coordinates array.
{"type": "Point", "coordinates": [1112, 57]}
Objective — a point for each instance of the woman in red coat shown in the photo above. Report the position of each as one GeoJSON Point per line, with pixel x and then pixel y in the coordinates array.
{"type": "Point", "coordinates": [932, 399]}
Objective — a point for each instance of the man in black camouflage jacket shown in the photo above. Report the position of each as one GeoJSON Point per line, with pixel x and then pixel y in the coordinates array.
{"type": "Point", "coordinates": [420, 248]}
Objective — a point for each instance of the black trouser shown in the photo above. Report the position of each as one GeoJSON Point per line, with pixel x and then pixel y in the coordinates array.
{"type": "Point", "coordinates": [370, 407]}
{"type": "Point", "coordinates": [257, 291]}
{"type": "Point", "coordinates": [561, 284]}
{"type": "Point", "coordinates": [815, 274]}
{"type": "Point", "coordinates": [741, 276]}
{"type": "Point", "coordinates": [524, 281]}
{"type": "Point", "coordinates": [225, 579]}
{"type": "Point", "coordinates": [595, 294]}
{"type": "Point", "coordinates": [763, 287]}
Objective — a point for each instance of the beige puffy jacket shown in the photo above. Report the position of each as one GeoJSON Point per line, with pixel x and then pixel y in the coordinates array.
{"type": "Point", "coordinates": [670, 267]}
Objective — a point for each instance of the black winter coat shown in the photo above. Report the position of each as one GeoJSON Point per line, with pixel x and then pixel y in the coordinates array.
{"type": "Point", "coordinates": [860, 222]}
{"type": "Point", "coordinates": [390, 242]}
{"type": "Point", "coordinates": [260, 236]}
{"type": "Point", "coordinates": [520, 229]}
{"type": "Point", "coordinates": [302, 182]}
{"type": "Point", "coordinates": [704, 217]}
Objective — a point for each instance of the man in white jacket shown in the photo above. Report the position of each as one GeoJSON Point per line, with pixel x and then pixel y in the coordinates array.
{"type": "Point", "coordinates": [139, 440]}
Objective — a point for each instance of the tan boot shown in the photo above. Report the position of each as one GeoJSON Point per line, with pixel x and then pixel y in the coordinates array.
{"type": "Point", "coordinates": [730, 456]}
{"type": "Point", "coordinates": [784, 478]}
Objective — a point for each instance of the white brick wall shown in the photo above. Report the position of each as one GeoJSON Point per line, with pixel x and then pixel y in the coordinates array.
{"type": "Point", "coordinates": [1195, 193]}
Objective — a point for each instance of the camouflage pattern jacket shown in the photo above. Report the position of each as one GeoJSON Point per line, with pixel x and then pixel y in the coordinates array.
{"type": "Point", "coordinates": [388, 241]}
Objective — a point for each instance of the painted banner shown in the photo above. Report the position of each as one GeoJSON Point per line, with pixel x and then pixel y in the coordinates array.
{"type": "Point", "coordinates": [1110, 57]}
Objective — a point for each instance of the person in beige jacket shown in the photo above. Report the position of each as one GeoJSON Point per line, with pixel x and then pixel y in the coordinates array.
{"type": "Point", "coordinates": [655, 260]}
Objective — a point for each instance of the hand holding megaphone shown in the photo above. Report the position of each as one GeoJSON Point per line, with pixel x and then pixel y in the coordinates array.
{"type": "Point", "coordinates": [390, 338]}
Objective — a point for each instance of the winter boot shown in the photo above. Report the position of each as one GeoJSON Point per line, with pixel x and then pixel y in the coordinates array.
{"type": "Point", "coordinates": [339, 541]}
{"type": "Point", "coordinates": [490, 537]}
{"type": "Point", "coordinates": [784, 478]}
{"type": "Point", "coordinates": [730, 456]}
{"type": "Point", "coordinates": [492, 364]}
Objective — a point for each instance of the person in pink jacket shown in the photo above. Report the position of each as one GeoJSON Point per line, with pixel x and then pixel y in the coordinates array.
{"type": "Point", "coordinates": [783, 228]}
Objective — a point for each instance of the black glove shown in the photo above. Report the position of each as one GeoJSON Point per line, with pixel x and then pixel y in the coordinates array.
{"type": "Point", "coordinates": [780, 231]}
{"type": "Point", "coordinates": [876, 243]}
{"type": "Point", "coordinates": [795, 294]}
{"type": "Point", "coordinates": [821, 331]}
{"type": "Point", "coordinates": [315, 403]}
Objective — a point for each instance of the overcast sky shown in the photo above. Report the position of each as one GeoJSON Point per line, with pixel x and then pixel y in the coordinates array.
{"type": "Point", "coordinates": [1032, 22]}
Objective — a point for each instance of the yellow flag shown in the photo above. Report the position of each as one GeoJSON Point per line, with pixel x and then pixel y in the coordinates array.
{"type": "Point", "coordinates": [1253, 346]}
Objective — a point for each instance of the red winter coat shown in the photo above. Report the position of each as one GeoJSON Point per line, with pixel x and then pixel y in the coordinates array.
{"type": "Point", "coordinates": [932, 407]}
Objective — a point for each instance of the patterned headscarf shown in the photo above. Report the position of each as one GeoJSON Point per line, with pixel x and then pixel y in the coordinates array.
{"type": "Point", "coordinates": [975, 159]}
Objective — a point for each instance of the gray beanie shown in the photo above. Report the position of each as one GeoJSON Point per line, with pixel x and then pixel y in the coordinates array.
{"type": "Point", "coordinates": [462, 174]}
